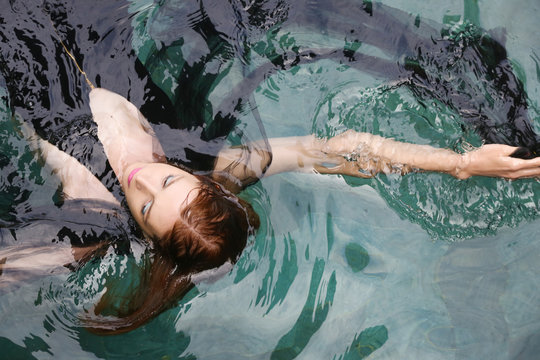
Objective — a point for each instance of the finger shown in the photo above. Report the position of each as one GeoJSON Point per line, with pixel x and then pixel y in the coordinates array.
{"type": "Point", "coordinates": [504, 150]}
{"type": "Point", "coordinates": [347, 168]}
{"type": "Point", "coordinates": [524, 173]}
{"type": "Point", "coordinates": [527, 164]}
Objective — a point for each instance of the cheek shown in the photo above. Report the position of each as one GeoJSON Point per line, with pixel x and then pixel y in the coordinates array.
{"type": "Point", "coordinates": [136, 214]}
{"type": "Point", "coordinates": [133, 209]}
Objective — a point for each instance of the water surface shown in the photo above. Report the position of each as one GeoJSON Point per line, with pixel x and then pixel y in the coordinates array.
{"type": "Point", "coordinates": [419, 267]}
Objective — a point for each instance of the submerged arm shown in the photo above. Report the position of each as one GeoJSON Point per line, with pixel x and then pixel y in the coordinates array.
{"type": "Point", "coordinates": [377, 154]}
{"type": "Point", "coordinates": [365, 155]}
{"type": "Point", "coordinates": [20, 263]}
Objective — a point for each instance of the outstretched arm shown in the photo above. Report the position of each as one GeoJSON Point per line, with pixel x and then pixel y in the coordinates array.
{"type": "Point", "coordinates": [377, 154]}
{"type": "Point", "coordinates": [365, 155]}
{"type": "Point", "coordinates": [496, 160]}
{"type": "Point", "coordinates": [77, 181]}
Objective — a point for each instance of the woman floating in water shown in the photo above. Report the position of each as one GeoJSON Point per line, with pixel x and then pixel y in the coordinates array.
{"type": "Point", "coordinates": [196, 223]}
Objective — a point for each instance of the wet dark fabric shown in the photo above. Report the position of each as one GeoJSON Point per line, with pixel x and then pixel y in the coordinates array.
{"type": "Point", "coordinates": [46, 89]}
{"type": "Point", "coordinates": [77, 223]}
{"type": "Point", "coordinates": [202, 43]}
{"type": "Point", "coordinates": [455, 68]}
{"type": "Point", "coordinates": [461, 66]}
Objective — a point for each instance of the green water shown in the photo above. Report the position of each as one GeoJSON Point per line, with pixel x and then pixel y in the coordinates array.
{"type": "Point", "coordinates": [415, 267]}
{"type": "Point", "coordinates": [326, 98]}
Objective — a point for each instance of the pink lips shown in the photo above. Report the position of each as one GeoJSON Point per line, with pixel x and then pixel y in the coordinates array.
{"type": "Point", "coordinates": [132, 174]}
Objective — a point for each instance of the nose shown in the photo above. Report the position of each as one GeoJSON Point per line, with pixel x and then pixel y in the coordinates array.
{"type": "Point", "coordinates": [146, 185]}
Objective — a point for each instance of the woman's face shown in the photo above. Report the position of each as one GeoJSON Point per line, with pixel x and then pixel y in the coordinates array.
{"type": "Point", "coordinates": [156, 193]}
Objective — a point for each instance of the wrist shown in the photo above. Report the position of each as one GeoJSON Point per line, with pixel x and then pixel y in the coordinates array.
{"type": "Point", "coordinates": [462, 167]}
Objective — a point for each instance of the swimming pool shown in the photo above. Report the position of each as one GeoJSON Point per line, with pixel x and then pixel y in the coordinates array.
{"type": "Point", "coordinates": [419, 267]}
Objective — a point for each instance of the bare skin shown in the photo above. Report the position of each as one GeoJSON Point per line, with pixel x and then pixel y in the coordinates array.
{"type": "Point", "coordinates": [156, 191]}
{"type": "Point", "coordinates": [488, 160]}
{"type": "Point", "coordinates": [130, 143]}
{"type": "Point", "coordinates": [365, 155]}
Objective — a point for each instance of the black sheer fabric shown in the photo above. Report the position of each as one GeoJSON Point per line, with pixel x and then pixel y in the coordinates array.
{"type": "Point", "coordinates": [460, 66]}
{"type": "Point", "coordinates": [204, 45]}
{"type": "Point", "coordinates": [173, 80]}
{"type": "Point", "coordinates": [421, 54]}
{"type": "Point", "coordinates": [73, 234]}
{"type": "Point", "coordinates": [46, 88]}
{"type": "Point", "coordinates": [82, 216]}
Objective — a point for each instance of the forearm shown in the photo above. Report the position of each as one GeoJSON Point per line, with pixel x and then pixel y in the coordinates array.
{"type": "Point", "coordinates": [372, 154]}
{"type": "Point", "coordinates": [350, 153]}
{"type": "Point", "coordinates": [358, 154]}
{"type": "Point", "coordinates": [77, 181]}
{"type": "Point", "coordinates": [365, 155]}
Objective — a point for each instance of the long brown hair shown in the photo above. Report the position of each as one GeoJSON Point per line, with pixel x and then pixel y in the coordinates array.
{"type": "Point", "coordinates": [211, 230]}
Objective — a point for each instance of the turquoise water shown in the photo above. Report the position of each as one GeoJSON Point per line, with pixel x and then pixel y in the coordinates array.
{"type": "Point", "coordinates": [419, 267]}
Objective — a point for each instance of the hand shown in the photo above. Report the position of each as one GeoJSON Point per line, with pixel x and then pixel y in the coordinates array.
{"type": "Point", "coordinates": [494, 160]}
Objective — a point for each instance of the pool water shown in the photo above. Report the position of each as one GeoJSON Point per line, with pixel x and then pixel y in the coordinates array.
{"type": "Point", "coordinates": [416, 267]}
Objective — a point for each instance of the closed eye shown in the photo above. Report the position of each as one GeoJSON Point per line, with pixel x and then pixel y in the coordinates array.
{"type": "Point", "coordinates": [167, 180]}
{"type": "Point", "coordinates": [146, 207]}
